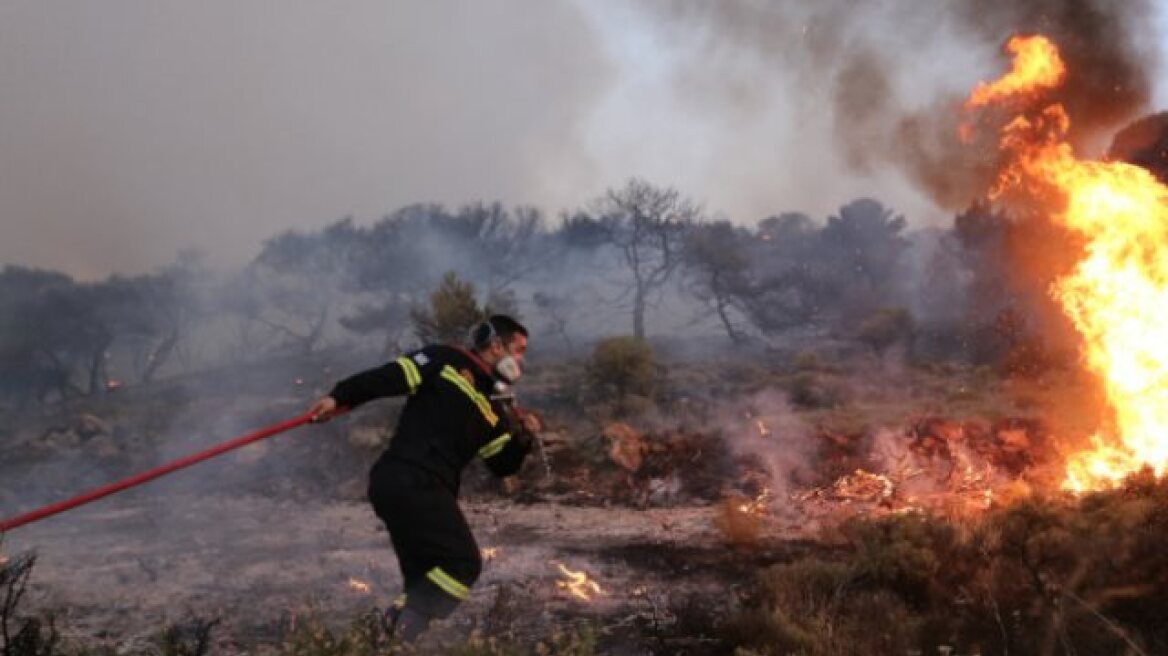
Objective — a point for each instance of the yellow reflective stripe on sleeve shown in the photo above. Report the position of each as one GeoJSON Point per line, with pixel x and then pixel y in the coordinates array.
{"type": "Point", "coordinates": [448, 584]}
{"type": "Point", "coordinates": [400, 602]}
{"type": "Point", "coordinates": [478, 399]}
{"type": "Point", "coordinates": [494, 446]}
{"type": "Point", "coordinates": [413, 376]}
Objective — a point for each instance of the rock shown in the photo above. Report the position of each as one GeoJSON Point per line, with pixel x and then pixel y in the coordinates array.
{"type": "Point", "coordinates": [60, 438]}
{"type": "Point", "coordinates": [353, 490]}
{"type": "Point", "coordinates": [104, 446]}
{"type": "Point", "coordinates": [367, 437]}
{"type": "Point", "coordinates": [90, 426]}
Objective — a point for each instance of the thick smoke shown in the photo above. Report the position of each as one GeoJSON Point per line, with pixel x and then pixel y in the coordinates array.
{"type": "Point", "coordinates": [894, 73]}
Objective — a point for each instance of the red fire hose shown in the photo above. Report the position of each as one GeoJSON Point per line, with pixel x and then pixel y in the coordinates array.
{"type": "Point", "coordinates": [149, 475]}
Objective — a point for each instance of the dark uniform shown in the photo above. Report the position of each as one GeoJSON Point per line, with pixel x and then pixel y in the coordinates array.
{"type": "Point", "coordinates": [449, 419]}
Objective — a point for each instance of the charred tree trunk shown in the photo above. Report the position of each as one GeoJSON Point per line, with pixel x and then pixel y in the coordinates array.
{"type": "Point", "coordinates": [97, 369]}
{"type": "Point", "coordinates": [639, 314]}
{"type": "Point", "coordinates": [159, 355]}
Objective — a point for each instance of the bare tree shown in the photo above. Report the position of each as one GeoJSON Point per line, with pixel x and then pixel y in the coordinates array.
{"type": "Point", "coordinates": [646, 225]}
{"type": "Point", "coordinates": [717, 272]}
{"type": "Point", "coordinates": [293, 285]}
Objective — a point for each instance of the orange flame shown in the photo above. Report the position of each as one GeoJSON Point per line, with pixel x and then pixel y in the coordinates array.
{"type": "Point", "coordinates": [1117, 294]}
{"type": "Point", "coordinates": [1037, 66]}
{"type": "Point", "coordinates": [578, 584]}
{"type": "Point", "coordinates": [758, 505]}
{"type": "Point", "coordinates": [763, 429]}
{"type": "Point", "coordinates": [359, 586]}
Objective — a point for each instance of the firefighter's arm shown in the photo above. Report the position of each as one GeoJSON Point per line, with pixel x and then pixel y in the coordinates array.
{"type": "Point", "coordinates": [397, 378]}
{"type": "Point", "coordinates": [511, 442]}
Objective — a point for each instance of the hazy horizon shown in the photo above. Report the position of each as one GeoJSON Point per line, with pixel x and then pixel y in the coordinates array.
{"type": "Point", "coordinates": [134, 129]}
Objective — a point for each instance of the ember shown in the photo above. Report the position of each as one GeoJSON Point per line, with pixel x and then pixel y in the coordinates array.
{"type": "Point", "coordinates": [578, 584]}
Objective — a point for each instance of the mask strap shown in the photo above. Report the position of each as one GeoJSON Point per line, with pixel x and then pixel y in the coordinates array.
{"type": "Point", "coordinates": [473, 358]}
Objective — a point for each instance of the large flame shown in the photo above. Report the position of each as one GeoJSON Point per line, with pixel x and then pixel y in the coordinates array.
{"type": "Point", "coordinates": [1117, 293]}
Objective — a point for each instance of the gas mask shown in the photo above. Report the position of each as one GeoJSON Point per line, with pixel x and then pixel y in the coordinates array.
{"type": "Point", "coordinates": [508, 369]}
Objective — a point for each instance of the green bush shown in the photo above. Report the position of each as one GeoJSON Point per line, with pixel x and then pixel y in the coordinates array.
{"type": "Point", "coordinates": [813, 391]}
{"type": "Point", "coordinates": [884, 328]}
{"type": "Point", "coordinates": [807, 360]}
{"type": "Point", "coordinates": [814, 607]}
{"type": "Point", "coordinates": [452, 312]}
{"type": "Point", "coordinates": [622, 371]}
{"type": "Point", "coordinates": [908, 554]}
{"type": "Point", "coordinates": [1043, 576]}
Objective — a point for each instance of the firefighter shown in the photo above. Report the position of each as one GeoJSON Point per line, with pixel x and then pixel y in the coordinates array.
{"type": "Point", "coordinates": [457, 409]}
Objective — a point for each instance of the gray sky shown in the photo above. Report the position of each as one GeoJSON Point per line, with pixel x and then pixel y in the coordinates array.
{"type": "Point", "coordinates": [130, 129]}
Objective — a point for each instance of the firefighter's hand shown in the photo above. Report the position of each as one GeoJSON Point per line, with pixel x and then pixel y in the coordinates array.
{"type": "Point", "coordinates": [324, 409]}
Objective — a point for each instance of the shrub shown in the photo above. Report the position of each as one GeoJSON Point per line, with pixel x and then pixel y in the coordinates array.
{"type": "Point", "coordinates": [191, 638]}
{"type": "Point", "coordinates": [812, 607]}
{"type": "Point", "coordinates": [910, 555]}
{"type": "Point", "coordinates": [807, 360]}
{"type": "Point", "coordinates": [452, 312]}
{"type": "Point", "coordinates": [884, 328]}
{"type": "Point", "coordinates": [622, 370]}
{"type": "Point", "coordinates": [813, 391]}
{"type": "Point", "coordinates": [1045, 575]}
{"type": "Point", "coordinates": [312, 637]}
{"type": "Point", "coordinates": [22, 635]}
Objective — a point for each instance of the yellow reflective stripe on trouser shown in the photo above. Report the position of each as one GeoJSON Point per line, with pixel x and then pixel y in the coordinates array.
{"type": "Point", "coordinates": [494, 446]}
{"type": "Point", "coordinates": [413, 376]}
{"type": "Point", "coordinates": [448, 584]}
{"type": "Point", "coordinates": [478, 399]}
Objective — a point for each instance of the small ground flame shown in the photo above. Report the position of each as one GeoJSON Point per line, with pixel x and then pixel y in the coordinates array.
{"type": "Point", "coordinates": [490, 553]}
{"type": "Point", "coordinates": [758, 505]}
{"type": "Point", "coordinates": [764, 431]}
{"type": "Point", "coordinates": [359, 586]}
{"type": "Point", "coordinates": [578, 584]}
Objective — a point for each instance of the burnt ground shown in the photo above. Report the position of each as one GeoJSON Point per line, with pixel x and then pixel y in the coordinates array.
{"type": "Point", "coordinates": [120, 570]}
{"type": "Point", "coordinates": [277, 533]}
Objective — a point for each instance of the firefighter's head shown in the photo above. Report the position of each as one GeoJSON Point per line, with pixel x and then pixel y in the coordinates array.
{"type": "Point", "coordinates": [501, 342]}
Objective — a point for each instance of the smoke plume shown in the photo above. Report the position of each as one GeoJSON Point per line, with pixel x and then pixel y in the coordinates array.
{"type": "Point", "coordinates": [894, 73]}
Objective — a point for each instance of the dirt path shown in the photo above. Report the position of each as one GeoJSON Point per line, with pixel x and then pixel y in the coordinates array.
{"type": "Point", "coordinates": [124, 568]}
